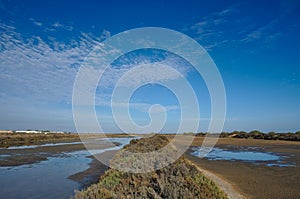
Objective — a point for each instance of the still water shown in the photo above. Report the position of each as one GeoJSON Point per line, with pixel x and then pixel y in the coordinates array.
{"type": "Point", "coordinates": [49, 179]}
{"type": "Point", "coordinates": [251, 155]}
{"type": "Point", "coordinates": [42, 145]}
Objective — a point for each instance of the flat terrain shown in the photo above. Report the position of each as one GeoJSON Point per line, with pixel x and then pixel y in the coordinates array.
{"type": "Point", "coordinates": [26, 139]}
{"type": "Point", "coordinates": [256, 181]}
{"type": "Point", "coordinates": [26, 149]}
{"type": "Point", "coordinates": [251, 180]}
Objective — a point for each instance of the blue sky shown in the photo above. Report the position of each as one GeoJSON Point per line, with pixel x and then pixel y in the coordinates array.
{"type": "Point", "coordinates": [254, 44]}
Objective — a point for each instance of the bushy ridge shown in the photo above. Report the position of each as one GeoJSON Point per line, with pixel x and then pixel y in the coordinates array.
{"type": "Point", "coordinates": [289, 136]}
{"type": "Point", "coordinates": [178, 180]}
{"type": "Point", "coordinates": [21, 139]}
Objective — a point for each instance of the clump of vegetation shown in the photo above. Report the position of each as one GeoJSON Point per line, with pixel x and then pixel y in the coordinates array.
{"type": "Point", "coordinates": [178, 180]}
{"type": "Point", "coordinates": [145, 145]}
{"type": "Point", "coordinates": [289, 136]}
{"type": "Point", "coordinates": [132, 157]}
{"type": "Point", "coordinates": [20, 139]}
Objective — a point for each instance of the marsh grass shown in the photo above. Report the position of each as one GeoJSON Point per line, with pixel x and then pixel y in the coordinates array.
{"type": "Point", "coordinates": [26, 139]}
{"type": "Point", "coordinates": [178, 180]}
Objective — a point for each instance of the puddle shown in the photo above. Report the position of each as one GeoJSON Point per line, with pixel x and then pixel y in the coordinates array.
{"type": "Point", "coordinates": [255, 156]}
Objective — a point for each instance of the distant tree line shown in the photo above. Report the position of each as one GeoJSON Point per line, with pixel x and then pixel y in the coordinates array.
{"type": "Point", "coordinates": [259, 135]}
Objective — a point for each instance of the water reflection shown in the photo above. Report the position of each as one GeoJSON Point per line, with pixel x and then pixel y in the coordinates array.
{"type": "Point", "coordinates": [42, 145]}
{"type": "Point", "coordinates": [49, 179]}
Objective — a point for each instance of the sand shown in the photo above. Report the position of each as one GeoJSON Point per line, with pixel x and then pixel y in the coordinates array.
{"type": "Point", "coordinates": [255, 181]}
{"type": "Point", "coordinates": [239, 179]}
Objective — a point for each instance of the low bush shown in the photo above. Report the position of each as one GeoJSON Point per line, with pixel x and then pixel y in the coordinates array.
{"type": "Point", "coordinates": [178, 180]}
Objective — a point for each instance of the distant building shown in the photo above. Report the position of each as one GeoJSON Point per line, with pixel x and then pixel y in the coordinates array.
{"type": "Point", "coordinates": [28, 131]}
{"type": "Point", "coordinates": [6, 131]}
{"type": "Point", "coordinates": [57, 132]}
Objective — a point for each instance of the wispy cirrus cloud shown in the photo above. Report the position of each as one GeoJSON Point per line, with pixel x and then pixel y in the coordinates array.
{"type": "Point", "coordinates": [39, 70]}
{"type": "Point", "coordinates": [32, 68]}
{"type": "Point", "coordinates": [270, 30]}
{"type": "Point", "coordinates": [50, 27]}
{"type": "Point", "coordinates": [35, 22]}
{"type": "Point", "coordinates": [58, 25]}
{"type": "Point", "coordinates": [153, 70]}
{"type": "Point", "coordinates": [144, 107]}
{"type": "Point", "coordinates": [37, 75]}
{"type": "Point", "coordinates": [228, 27]}
{"type": "Point", "coordinates": [137, 74]}
{"type": "Point", "coordinates": [210, 30]}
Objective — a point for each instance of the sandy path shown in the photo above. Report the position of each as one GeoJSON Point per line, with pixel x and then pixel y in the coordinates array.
{"type": "Point", "coordinates": [223, 184]}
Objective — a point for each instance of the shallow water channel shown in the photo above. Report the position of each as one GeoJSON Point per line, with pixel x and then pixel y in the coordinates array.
{"type": "Point", "coordinates": [49, 178]}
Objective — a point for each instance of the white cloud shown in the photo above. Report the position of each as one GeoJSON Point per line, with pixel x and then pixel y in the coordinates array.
{"type": "Point", "coordinates": [230, 26]}
{"type": "Point", "coordinates": [144, 107]}
{"type": "Point", "coordinates": [153, 72]}
{"type": "Point", "coordinates": [52, 27]}
{"type": "Point", "coordinates": [105, 34]}
{"type": "Point", "coordinates": [36, 70]}
{"type": "Point", "coordinates": [137, 71]}
{"type": "Point", "coordinates": [39, 71]}
{"type": "Point", "coordinates": [266, 32]}
{"type": "Point", "coordinates": [37, 23]}
{"type": "Point", "coordinates": [152, 69]}
{"type": "Point", "coordinates": [58, 25]}
{"type": "Point", "coordinates": [210, 29]}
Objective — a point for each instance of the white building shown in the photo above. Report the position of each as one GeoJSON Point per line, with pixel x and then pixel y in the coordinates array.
{"type": "Point", "coordinates": [28, 131]}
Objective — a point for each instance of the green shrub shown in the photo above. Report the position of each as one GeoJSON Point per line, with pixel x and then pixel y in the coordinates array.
{"type": "Point", "coordinates": [178, 180]}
